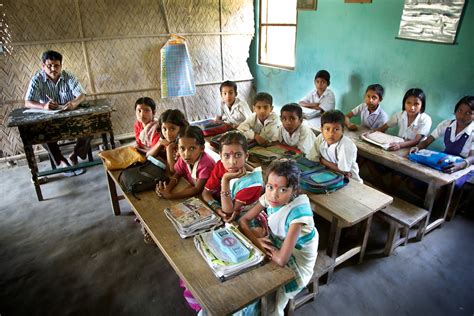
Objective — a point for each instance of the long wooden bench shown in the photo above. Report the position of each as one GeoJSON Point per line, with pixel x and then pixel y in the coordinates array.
{"type": "Point", "coordinates": [402, 216]}
{"type": "Point", "coordinates": [323, 265]}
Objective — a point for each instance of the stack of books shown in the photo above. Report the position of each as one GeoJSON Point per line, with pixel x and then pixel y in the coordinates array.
{"type": "Point", "coordinates": [310, 113]}
{"type": "Point", "coordinates": [228, 252]}
{"type": "Point", "coordinates": [273, 152]}
{"type": "Point", "coordinates": [192, 217]}
{"type": "Point", "coordinates": [381, 139]}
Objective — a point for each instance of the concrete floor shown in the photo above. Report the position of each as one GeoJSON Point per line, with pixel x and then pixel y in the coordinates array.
{"type": "Point", "coordinates": [69, 255]}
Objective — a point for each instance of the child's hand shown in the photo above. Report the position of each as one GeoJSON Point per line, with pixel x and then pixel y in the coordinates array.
{"type": "Point", "coordinates": [260, 140]}
{"type": "Point", "coordinates": [225, 217]}
{"type": "Point", "coordinates": [414, 149]}
{"type": "Point", "coordinates": [348, 174]}
{"type": "Point", "coordinates": [163, 142]}
{"type": "Point", "coordinates": [394, 146]}
{"type": "Point", "coordinates": [266, 245]}
{"type": "Point", "coordinates": [234, 175]}
{"type": "Point", "coordinates": [454, 166]}
{"type": "Point", "coordinates": [352, 127]}
{"type": "Point", "coordinates": [162, 190]}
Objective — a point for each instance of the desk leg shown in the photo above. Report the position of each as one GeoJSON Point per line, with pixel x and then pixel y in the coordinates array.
{"type": "Point", "coordinates": [367, 224]}
{"type": "Point", "coordinates": [113, 194]}
{"type": "Point", "coordinates": [105, 142]}
{"type": "Point", "coordinates": [30, 158]}
{"type": "Point", "coordinates": [112, 140]}
{"type": "Point", "coordinates": [333, 244]}
{"type": "Point", "coordinates": [441, 220]}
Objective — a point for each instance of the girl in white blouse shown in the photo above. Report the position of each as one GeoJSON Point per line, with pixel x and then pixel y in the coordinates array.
{"type": "Point", "coordinates": [413, 123]}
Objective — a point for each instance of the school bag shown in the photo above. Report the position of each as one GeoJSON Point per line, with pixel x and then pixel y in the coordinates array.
{"type": "Point", "coordinates": [316, 178]}
{"type": "Point", "coordinates": [434, 159]}
{"type": "Point", "coordinates": [210, 127]}
{"type": "Point", "coordinates": [141, 177]}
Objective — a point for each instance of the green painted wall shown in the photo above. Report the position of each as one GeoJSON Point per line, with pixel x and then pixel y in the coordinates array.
{"type": "Point", "coordinates": [356, 44]}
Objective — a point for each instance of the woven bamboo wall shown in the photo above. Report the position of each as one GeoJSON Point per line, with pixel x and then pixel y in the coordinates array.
{"type": "Point", "coordinates": [113, 47]}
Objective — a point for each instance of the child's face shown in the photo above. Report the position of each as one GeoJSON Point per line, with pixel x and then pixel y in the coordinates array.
{"type": "Point", "coordinates": [169, 131]}
{"type": "Point", "coordinates": [412, 105]}
{"type": "Point", "coordinates": [189, 150]}
{"type": "Point", "coordinates": [144, 113]}
{"type": "Point", "coordinates": [290, 121]}
{"type": "Point", "coordinates": [233, 157]}
{"type": "Point", "coordinates": [262, 109]}
{"type": "Point", "coordinates": [276, 190]}
{"type": "Point", "coordinates": [332, 132]}
{"type": "Point", "coordinates": [228, 95]}
{"type": "Point", "coordinates": [320, 84]}
{"type": "Point", "coordinates": [372, 99]}
{"type": "Point", "coordinates": [464, 114]}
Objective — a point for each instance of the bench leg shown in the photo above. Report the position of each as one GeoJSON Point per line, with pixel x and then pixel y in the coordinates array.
{"type": "Point", "coordinates": [367, 224]}
{"type": "Point", "coordinates": [391, 238]}
{"type": "Point", "coordinates": [404, 233]}
{"type": "Point", "coordinates": [114, 201]}
{"type": "Point", "coordinates": [421, 229]}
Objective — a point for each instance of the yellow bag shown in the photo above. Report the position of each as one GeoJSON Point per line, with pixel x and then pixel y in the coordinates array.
{"type": "Point", "coordinates": [121, 158]}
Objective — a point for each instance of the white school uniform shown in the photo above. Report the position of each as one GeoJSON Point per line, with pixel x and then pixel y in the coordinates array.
{"type": "Point", "coordinates": [268, 130]}
{"type": "Point", "coordinates": [421, 125]}
{"type": "Point", "coordinates": [469, 130]}
{"type": "Point", "coordinates": [327, 101]}
{"type": "Point", "coordinates": [303, 138]}
{"type": "Point", "coordinates": [372, 120]}
{"type": "Point", "coordinates": [343, 154]}
{"type": "Point", "coordinates": [239, 111]}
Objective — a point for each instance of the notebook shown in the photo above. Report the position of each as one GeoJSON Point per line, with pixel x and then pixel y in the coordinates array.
{"type": "Point", "coordinates": [381, 139]}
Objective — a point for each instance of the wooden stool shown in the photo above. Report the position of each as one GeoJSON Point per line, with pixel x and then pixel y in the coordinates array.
{"type": "Point", "coordinates": [402, 216]}
{"type": "Point", "coordinates": [323, 264]}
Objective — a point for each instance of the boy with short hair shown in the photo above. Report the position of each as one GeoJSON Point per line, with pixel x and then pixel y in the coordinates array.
{"type": "Point", "coordinates": [334, 150]}
{"type": "Point", "coordinates": [371, 113]}
{"type": "Point", "coordinates": [293, 132]}
{"type": "Point", "coordinates": [263, 124]}
{"type": "Point", "coordinates": [322, 98]}
{"type": "Point", "coordinates": [233, 111]}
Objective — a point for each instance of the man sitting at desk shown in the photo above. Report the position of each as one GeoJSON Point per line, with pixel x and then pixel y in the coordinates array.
{"type": "Point", "coordinates": [52, 89]}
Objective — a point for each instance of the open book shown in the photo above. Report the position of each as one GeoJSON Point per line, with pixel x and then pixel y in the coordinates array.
{"type": "Point", "coordinates": [191, 217]}
{"type": "Point", "coordinates": [223, 265]}
{"type": "Point", "coordinates": [381, 139]}
{"type": "Point", "coordinates": [269, 153]}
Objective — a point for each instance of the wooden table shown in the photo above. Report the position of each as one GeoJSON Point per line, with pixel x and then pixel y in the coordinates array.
{"type": "Point", "coordinates": [397, 160]}
{"type": "Point", "coordinates": [353, 204]}
{"type": "Point", "coordinates": [218, 298]}
{"type": "Point", "coordinates": [90, 118]}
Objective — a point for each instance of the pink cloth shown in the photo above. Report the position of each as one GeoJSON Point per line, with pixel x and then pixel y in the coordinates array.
{"type": "Point", "coordinates": [204, 168]}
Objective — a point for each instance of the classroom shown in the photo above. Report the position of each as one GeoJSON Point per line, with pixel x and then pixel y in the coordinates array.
{"type": "Point", "coordinates": [86, 84]}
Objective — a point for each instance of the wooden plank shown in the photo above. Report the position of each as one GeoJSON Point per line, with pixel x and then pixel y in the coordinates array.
{"type": "Point", "coordinates": [217, 297]}
{"type": "Point", "coordinates": [404, 213]}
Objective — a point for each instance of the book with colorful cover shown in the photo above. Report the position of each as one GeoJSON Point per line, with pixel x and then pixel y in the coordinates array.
{"type": "Point", "coordinates": [270, 153]}
{"type": "Point", "coordinates": [221, 263]}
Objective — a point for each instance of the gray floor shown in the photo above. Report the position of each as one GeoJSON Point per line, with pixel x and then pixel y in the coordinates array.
{"type": "Point", "coordinates": [69, 255]}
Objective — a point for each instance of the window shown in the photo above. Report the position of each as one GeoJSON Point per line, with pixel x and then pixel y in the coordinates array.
{"type": "Point", "coordinates": [277, 33]}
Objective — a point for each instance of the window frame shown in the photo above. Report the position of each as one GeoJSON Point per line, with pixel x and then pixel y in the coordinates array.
{"type": "Point", "coordinates": [260, 44]}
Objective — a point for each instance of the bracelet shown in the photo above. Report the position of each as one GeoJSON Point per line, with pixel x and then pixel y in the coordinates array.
{"type": "Point", "coordinates": [225, 193]}
{"type": "Point", "coordinates": [468, 163]}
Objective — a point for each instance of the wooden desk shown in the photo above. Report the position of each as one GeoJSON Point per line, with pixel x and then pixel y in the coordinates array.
{"type": "Point", "coordinates": [398, 161]}
{"type": "Point", "coordinates": [218, 298]}
{"type": "Point", "coordinates": [346, 207]}
{"type": "Point", "coordinates": [88, 119]}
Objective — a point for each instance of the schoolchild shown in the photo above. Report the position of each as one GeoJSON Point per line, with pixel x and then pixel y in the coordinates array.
{"type": "Point", "coordinates": [233, 110]}
{"type": "Point", "coordinates": [293, 238]}
{"type": "Point", "coordinates": [293, 132]}
{"type": "Point", "coordinates": [147, 131]}
{"type": "Point", "coordinates": [321, 98]}
{"type": "Point", "coordinates": [333, 149]}
{"type": "Point", "coordinates": [413, 123]}
{"type": "Point", "coordinates": [193, 164]}
{"type": "Point", "coordinates": [231, 189]}
{"type": "Point", "coordinates": [371, 113]}
{"type": "Point", "coordinates": [263, 124]}
{"type": "Point", "coordinates": [172, 123]}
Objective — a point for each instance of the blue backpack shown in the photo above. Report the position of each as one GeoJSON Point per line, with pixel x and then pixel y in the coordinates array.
{"type": "Point", "coordinates": [316, 178]}
{"type": "Point", "coordinates": [434, 159]}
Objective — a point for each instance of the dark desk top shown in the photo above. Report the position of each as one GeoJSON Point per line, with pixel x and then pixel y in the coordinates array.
{"type": "Point", "coordinates": [18, 117]}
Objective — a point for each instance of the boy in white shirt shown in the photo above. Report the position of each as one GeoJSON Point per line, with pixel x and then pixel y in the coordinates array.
{"type": "Point", "coordinates": [334, 150]}
{"type": "Point", "coordinates": [293, 132]}
{"type": "Point", "coordinates": [263, 124]}
{"type": "Point", "coordinates": [371, 114]}
{"type": "Point", "coordinates": [322, 98]}
{"type": "Point", "coordinates": [233, 111]}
